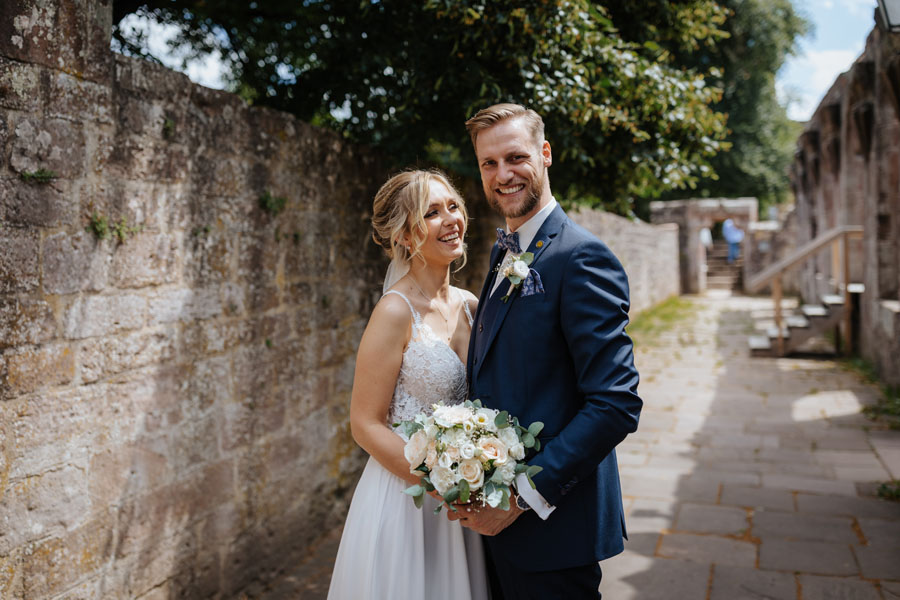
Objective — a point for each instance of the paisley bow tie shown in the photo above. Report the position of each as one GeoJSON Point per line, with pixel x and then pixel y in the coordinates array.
{"type": "Point", "coordinates": [509, 241]}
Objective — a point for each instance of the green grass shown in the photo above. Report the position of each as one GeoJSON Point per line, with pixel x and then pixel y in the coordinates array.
{"type": "Point", "coordinates": [890, 490]}
{"type": "Point", "coordinates": [649, 323]}
{"type": "Point", "coordinates": [887, 407]}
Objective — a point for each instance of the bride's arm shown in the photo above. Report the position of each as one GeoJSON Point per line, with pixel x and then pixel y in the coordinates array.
{"type": "Point", "coordinates": [377, 368]}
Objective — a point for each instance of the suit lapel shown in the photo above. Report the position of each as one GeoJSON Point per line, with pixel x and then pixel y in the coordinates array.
{"type": "Point", "coordinates": [549, 229]}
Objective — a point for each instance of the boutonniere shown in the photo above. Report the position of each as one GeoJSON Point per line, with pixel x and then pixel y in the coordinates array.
{"type": "Point", "coordinates": [516, 269]}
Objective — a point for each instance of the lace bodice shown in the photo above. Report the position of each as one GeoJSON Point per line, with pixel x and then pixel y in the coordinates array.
{"type": "Point", "coordinates": [431, 371]}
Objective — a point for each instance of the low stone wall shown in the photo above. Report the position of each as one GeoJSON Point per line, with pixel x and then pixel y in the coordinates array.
{"type": "Point", "coordinates": [649, 254]}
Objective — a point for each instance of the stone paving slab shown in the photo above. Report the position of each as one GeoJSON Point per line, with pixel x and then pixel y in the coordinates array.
{"type": "Point", "coordinates": [799, 526]}
{"type": "Point", "coordinates": [822, 558]}
{"type": "Point", "coordinates": [742, 583]}
{"type": "Point", "coordinates": [704, 518]}
{"type": "Point", "coordinates": [837, 588]}
{"type": "Point", "coordinates": [707, 549]}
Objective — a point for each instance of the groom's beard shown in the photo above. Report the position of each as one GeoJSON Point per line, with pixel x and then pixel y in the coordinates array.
{"type": "Point", "coordinates": [534, 188]}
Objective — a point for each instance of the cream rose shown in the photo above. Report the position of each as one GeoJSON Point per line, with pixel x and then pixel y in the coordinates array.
{"type": "Point", "coordinates": [492, 449]}
{"type": "Point", "coordinates": [507, 472]}
{"type": "Point", "coordinates": [442, 479]}
{"type": "Point", "coordinates": [508, 436]}
{"type": "Point", "coordinates": [453, 453]}
{"type": "Point", "coordinates": [470, 470]}
{"type": "Point", "coordinates": [416, 449]}
{"type": "Point", "coordinates": [431, 454]}
{"type": "Point", "coordinates": [445, 461]}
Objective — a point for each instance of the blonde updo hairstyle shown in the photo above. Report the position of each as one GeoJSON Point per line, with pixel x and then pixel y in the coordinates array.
{"type": "Point", "coordinates": [399, 208]}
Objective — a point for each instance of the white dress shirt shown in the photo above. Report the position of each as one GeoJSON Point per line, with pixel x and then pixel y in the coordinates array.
{"type": "Point", "coordinates": [526, 232]}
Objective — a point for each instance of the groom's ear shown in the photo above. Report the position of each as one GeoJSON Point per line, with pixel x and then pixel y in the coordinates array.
{"type": "Point", "coordinates": [546, 154]}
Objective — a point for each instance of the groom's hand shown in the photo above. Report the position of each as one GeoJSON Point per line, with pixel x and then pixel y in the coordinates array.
{"type": "Point", "coordinates": [484, 519]}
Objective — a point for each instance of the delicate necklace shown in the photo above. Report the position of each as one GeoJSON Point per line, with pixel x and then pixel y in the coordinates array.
{"type": "Point", "coordinates": [435, 306]}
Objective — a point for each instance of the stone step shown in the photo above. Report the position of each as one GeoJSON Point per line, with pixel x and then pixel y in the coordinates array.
{"type": "Point", "coordinates": [814, 310]}
{"type": "Point", "coordinates": [832, 300]}
{"type": "Point", "coordinates": [856, 288]}
{"type": "Point", "coordinates": [772, 332]}
{"type": "Point", "coordinates": [796, 321]}
{"type": "Point", "coordinates": [759, 342]}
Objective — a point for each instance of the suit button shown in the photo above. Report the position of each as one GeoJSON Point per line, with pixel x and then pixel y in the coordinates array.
{"type": "Point", "coordinates": [475, 361]}
{"type": "Point", "coordinates": [480, 327]}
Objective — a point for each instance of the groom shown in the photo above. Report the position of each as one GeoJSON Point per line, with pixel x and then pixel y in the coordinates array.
{"type": "Point", "coordinates": [551, 349]}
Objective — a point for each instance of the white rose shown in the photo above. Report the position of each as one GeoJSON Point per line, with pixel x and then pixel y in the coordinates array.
{"type": "Point", "coordinates": [467, 450]}
{"type": "Point", "coordinates": [445, 461]}
{"type": "Point", "coordinates": [484, 418]}
{"type": "Point", "coordinates": [454, 437]}
{"type": "Point", "coordinates": [520, 269]}
{"type": "Point", "coordinates": [508, 436]}
{"type": "Point", "coordinates": [507, 472]}
{"type": "Point", "coordinates": [470, 470]}
{"type": "Point", "coordinates": [442, 479]}
{"type": "Point", "coordinates": [494, 498]}
{"type": "Point", "coordinates": [517, 451]}
{"type": "Point", "coordinates": [449, 416]}
{"type": "Point", "coordinates": [416, 449]}
{"type": "Point", "coordinates": [492, 449]}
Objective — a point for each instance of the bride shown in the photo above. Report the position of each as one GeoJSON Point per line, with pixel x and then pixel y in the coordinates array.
{"type": "Point", "coordinates": [412, 355]}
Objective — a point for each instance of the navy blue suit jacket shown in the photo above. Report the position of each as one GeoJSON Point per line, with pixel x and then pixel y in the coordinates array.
{"type": "Point", "coordinates": [563, 358]}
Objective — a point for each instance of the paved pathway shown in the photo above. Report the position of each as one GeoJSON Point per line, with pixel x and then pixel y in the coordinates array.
{"type": "Point", "coordinates": [752, 478]}
{"type": "Point", "coordinates": [748, 478]}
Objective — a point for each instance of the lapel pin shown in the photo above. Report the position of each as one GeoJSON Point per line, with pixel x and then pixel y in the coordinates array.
{"type": "Point", "coordinates": [539, 243]}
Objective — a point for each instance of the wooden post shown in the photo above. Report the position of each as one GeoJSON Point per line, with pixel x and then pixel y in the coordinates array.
{"type": "Point", "coordinates": [848, 313]}
{"type": "Point", "coordinates": [776, 295]}
{"type": "Point", "coordinates": [836, 269]}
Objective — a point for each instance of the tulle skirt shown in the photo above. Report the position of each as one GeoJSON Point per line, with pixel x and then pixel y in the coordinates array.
{"type": "Point", "coordinates": [390, 549]}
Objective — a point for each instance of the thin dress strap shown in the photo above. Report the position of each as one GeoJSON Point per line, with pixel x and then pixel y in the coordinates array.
{"type": "Point", "coordinates": [417, 320]}
{"type": "Point", "coordinates": [466, 307]}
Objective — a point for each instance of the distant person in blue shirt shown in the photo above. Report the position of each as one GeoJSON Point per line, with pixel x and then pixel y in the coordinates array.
{"type": "Point", "coordinates": [734, 235]}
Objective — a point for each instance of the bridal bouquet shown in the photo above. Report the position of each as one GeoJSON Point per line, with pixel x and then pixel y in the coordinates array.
{"type": "Point", "coordinates": [468, 453]}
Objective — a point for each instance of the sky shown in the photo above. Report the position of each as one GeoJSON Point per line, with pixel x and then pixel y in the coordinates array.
{"type": "Point", "coordinates": [840, 28]}
{"type": "Point", "coordinates": [839, 37]}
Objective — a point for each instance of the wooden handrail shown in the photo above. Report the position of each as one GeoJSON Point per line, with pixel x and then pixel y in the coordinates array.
{"type": "Point", "coordinates": [774, 271]}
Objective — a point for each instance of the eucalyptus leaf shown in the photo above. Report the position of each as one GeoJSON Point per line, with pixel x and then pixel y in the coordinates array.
{"type": "Point", "coordinates": [535, 428]}
{"type": "Point", "coordinates": [419, 500]}
{"type": "Point", "coordinates": [528, 440]}
{"type": "Point", "coordinates": [414, 490]}
{"type": "Point", "coordinates": [452, 494]}
{"type": "Point", "coordinates": [502, 419]}
{"type": "Point", "coordinates": [527, 257]}
{"type": "Point", "coordinates": [504, 502]}
{"type": "Point", "coordinates": [464, 491]}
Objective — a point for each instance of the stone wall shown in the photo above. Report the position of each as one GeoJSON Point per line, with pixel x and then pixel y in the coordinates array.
{"type": "Point", "coordinates": [649, 254]}
{"type": "Point", "coordinates": [766, 243]}
{"type": "Point", "coordinates": [847, 172]}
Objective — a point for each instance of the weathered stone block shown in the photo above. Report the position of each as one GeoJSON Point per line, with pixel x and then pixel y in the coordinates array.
{"type": "Point", "coordinates": [40, 205]}
{"type": "Point", "coordinates": [53, 144]}
{"type": "Point", "coordinates": [48, 504]}
{"type": "Point", "coordinates": [92, 316]}
{"type": "Point", "coordinates": [74, 34]}
{"type": "Point", "coordinates": [151, 80]}
{"type": "Point", "coordinates": [102, 357]}
{"type": "Point", "coordinates": [145, 259]}
{"type": "Point", "coordinates": [73, 263]}
{"type": "Point", "coordinates": [11, 567]}
{"type": "Point", "coordinates": [76, 99]}
{"type": "Point", "coordinates": [60, 562]}
{"type": "Point", "coordinates": [19, 251]}
{"type": "Point", "coordinates": [143, 158]}
{"type": "Point", "coordinates": [26, 369]}
{"type": "Point", "coordinates": [180, 304]}
{"type": "Point", "coordinates": [120, 472]}
{"type": "Point", "coordinates": [25, 321]}
{"type": "Point", "coordinates": [19, 85]}
{"type": "Point", "coordinates": [209, 256]}
{"type": "Point", "coordinates": [194, 442]}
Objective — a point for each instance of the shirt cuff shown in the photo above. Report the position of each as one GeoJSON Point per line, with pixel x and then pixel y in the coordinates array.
{"type": "Point", "coordinates": [533, 497]}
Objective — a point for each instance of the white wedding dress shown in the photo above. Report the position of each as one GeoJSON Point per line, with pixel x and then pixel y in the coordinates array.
{"type": "Point", "coordinates": [389, 548]}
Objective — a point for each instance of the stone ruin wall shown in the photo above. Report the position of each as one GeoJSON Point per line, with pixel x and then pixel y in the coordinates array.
{"type": "Point", "coordinates": [847, 172]}
{"type": "Point", "coordinates": [649, 254]}
{"type": "Point", "coordinates": [174, 406]}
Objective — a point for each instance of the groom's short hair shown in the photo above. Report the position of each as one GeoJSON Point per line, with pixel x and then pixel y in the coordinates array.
{"type": "Point", "coordinates": [490, 116]}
